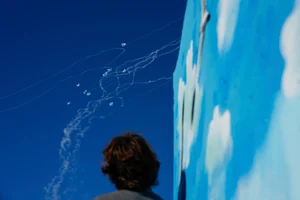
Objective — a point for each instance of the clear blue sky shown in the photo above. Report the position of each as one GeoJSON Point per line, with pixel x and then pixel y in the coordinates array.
{"type": "Point", "coordinates": [39, 39]}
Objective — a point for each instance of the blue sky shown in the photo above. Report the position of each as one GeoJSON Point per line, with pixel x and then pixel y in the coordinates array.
{"type": "Point", "coordinates": [41, 73]}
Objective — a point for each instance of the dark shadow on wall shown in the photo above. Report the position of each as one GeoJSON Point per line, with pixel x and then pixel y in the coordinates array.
{"type": "Point", "coordinates": [182, 187]}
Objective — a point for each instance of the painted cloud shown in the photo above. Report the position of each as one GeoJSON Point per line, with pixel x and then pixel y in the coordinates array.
{"type": "Point", "coordinates": [188, 116]}
{"type": "Point", "coordinates": [227, 18]}
{"type": "Point", "coordinates": [290, 48]}
{"type": "Point", "coordinates": [275, 174]}
{"type": "Point", "coordinates": [219, 142]}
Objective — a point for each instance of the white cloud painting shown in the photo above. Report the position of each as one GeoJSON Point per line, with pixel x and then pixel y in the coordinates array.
{"type": "Point", "coordinates": [275, 174]}
{"type": "Point", "coordinates": [188, 129]}
{"type": "Point", "coordinates": [227, 18]}
{"type": "Point", "coordinates": [218, 151]}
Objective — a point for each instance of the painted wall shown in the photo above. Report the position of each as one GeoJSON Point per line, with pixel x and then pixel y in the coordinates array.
{"type": "Point", "coordinates": [237, 103]}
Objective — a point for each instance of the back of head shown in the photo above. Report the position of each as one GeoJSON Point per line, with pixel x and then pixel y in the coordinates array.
{"type": "Point", "coordinates": [130, 163]}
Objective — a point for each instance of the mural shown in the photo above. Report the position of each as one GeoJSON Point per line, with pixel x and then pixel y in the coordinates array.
{"type": "Point", "coordinates": [237, 101]}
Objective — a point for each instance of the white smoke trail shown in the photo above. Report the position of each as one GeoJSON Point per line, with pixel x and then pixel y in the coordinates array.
{"type": "Point", "coordinates": [76, 128]}
{"type": "Point", "coordinates": [57, 83]}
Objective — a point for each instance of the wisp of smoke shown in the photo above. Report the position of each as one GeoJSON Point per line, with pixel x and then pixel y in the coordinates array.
{"type": "Point", "coordinates": [79, 125]}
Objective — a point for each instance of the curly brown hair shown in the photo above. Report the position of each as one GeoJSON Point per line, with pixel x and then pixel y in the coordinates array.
{"type": "Point", "coordinates": [130, 163]}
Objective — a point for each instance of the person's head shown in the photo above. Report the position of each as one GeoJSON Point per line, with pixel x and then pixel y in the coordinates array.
{"type": "Point", "coordinates": [130, 163]}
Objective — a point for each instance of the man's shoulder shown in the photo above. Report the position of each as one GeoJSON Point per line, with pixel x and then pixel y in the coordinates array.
{"type": "Point", "coordinates": [107, 196]}
{"type": "Point", "coordinates": [120, 194]}
{"type": "Point", "coordinates": [128, 195]}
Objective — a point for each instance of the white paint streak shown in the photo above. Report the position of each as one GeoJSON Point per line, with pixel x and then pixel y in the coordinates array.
{"type": "Point", "coordinates": [181, 89]}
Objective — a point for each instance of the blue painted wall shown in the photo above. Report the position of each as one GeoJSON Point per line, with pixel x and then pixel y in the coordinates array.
{"type": "Point", "coordinates": [237, 121]}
